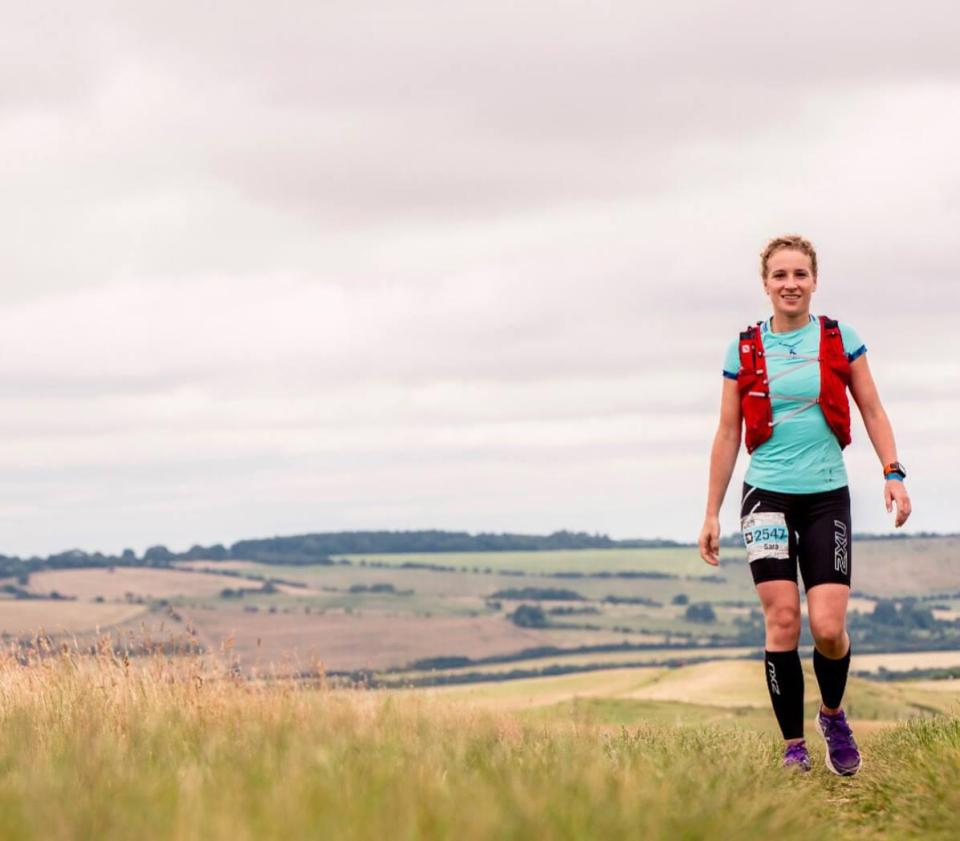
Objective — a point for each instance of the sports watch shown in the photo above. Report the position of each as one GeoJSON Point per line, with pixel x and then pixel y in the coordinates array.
{"type": "Point", "coordinates": [894, 467]}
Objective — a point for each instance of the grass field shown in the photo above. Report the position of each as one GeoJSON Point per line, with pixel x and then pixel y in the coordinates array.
{"type": "Point", "coordinates": [116, 583]}
{"type": "Point", "coordinates": [914, 566]}
{"type": "Point", "coordinates": [105, 749]}
{"type": "Point", "coordinates": [370, 640]}
{"type": "Point", "coordinates": [726, 684]}
{"type": "Point", "coordinates": [338, 614]}
{"type": "Point", "coordinates": [54, 615]}
{"type": "Point", "coordinates": [862, 663]}
{"type": "Point", "coordinates": [462, 592]}
{"type": "Point", "coordinates": [677, 561]}
{"type": "Point", "coordinates": [605, 658]}
{"type": "Point", "coordinates": [905, 661]}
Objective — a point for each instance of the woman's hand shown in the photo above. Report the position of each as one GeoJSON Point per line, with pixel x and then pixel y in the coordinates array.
{"type": "Point", "coordinates": [894, 492]}
{"type": "Point", "coordinates": [709, 541]}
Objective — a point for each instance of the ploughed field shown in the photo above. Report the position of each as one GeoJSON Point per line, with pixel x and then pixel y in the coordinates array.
{"type": "Point", "coordinates": [457, 616]}
{"type": "Point", "coordinates": [184, 748]}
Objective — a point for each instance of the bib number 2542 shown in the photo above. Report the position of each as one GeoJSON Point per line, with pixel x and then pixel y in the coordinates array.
{"type": "Point", "coordinates": [765, 535]}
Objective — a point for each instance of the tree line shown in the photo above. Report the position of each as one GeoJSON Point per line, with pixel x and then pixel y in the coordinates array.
{"type": "Point", "coordinates": [320, 547]}
{"type": "Point", "coordinates": [317, 548]}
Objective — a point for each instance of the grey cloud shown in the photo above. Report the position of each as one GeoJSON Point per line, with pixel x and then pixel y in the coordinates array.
{"type": "Point", "coordinates": [485, 108]}
{"type": "Point", "coordinates": [350, 265]}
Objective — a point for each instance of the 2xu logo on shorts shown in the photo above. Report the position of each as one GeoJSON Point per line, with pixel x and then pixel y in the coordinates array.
{"type": "Point", "coordinates": [840, 546]}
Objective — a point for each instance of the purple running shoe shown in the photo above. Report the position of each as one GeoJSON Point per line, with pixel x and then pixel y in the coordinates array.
{"type": "Point", "coordinates": [796, 757]}
{"type": "Point", "coordinates": [843, 757]}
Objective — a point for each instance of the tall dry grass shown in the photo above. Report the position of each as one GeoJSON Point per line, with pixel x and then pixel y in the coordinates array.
{"type": "Point", "coordinates": [106, 747]}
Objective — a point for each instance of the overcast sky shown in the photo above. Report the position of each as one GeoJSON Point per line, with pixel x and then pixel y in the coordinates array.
{"type": "Point", "coordinates": [270, 268]}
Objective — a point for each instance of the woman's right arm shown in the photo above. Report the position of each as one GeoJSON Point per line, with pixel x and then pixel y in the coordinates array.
{"type": "Point", "coordinates": [723, 457]}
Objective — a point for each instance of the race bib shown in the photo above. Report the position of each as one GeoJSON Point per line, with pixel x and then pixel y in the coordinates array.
{"type": "Point", "coordinates": [765, 535]}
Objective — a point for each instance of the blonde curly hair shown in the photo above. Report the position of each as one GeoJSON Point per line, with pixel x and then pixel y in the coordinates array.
{"type": "Point", "coordinates": [794, 241]}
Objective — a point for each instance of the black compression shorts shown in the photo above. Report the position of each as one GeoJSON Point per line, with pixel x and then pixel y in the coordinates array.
{"type": "Point", "coordinates": [784, 531]}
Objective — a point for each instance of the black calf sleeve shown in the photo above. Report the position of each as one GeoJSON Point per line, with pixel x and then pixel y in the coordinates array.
{"type": "Point", "coordinates": [832, 677]}
{"type": "Point", "coordinates": [785, 683]}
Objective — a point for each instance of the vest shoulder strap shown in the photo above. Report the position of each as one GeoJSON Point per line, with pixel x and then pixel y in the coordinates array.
{"type": "Point", "coordinates": [831, 339]}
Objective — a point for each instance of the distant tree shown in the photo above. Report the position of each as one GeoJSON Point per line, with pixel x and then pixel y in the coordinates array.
{"type": "Point", "coordinates": [917, 616]}
{"type": "Point", "coordinates": [449, 661]}
{"type": "Point", "coordinates": [197, 552]}
{"type": "Point", "coordinates": [218, 552]}
{"type": "Point", "coordinates": [158, 556]}
{"type": "Point", "coordinates": [885, 612]}
{"type": "Point", "coordinates": [681, 598]}
{"type": "Point", "coordinates": [545, 593]}
{"type": "Point", "coordinates": [632, 600]}
{"type": "Point", "coordinates": [379, 588]}
{"type": "Point", "coordinates": [701, 612]}
{"type": "Point", "coordinates": [128, 557]}
{"type": "Point", "coordinates": [570, 610]}
{"type": "Point", "coordinates": [529, 616]}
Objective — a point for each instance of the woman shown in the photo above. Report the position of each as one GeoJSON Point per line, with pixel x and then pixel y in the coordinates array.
{"type": "Point", "coordinates": [786, 381]}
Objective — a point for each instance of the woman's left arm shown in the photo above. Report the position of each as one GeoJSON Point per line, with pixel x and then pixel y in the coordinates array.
{"type": "Point", "coordinates": [864, 391]}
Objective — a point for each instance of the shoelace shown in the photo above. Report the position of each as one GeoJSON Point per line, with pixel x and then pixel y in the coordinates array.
{"type": "Point", "coordinates": [838, 730]}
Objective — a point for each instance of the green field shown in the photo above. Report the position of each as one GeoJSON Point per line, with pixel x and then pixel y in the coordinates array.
{"type": "Point", "coordinates": [678, 561]}
{"type": "Point", "coordinates": [912, 566]}
{"type": "Point", "coordinates": [727, 684]}
{"type": "Point", "coordinates": [105, 749]}
{"type": "Point", "coordinates": [599, 658]}
{"type": "Point", "coordinates": [337, 613]}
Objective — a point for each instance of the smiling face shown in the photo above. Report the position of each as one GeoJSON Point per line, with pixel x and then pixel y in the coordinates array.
{"type": "Point", "coordinates": [790, 282]}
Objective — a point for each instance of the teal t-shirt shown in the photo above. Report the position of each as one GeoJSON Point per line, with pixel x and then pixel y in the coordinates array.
{"type": "Point", "coordinates": [803, 455]}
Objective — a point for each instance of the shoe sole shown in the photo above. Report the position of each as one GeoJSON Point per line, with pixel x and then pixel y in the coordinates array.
{"type": "Point", "coordinates": [826, 755]}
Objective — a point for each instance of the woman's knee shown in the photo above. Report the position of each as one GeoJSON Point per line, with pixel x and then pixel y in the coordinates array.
{"type": "Point", "coordinates": [783, 625]}
{"type": "Point", "coordinates": [830, 635]}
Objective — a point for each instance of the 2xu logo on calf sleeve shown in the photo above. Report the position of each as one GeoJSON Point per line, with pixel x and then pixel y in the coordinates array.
{"type": "Point", "coordinates": [772, 677]}
{"type": "Point", "coordinates": [840, 546]}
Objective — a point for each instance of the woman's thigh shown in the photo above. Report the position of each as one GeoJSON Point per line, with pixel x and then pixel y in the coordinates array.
{"type": "Point", "coordinates": [766, 523]}
{"type": "Point", "coordinates": [824, 544]}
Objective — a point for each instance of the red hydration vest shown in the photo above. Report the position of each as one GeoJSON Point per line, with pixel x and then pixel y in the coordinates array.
{"type": "Point", "coordinates": [755, 402]}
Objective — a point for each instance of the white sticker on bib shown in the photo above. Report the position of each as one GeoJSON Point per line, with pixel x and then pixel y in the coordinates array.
{"type": "Point", "coordinates": [765, 535]}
